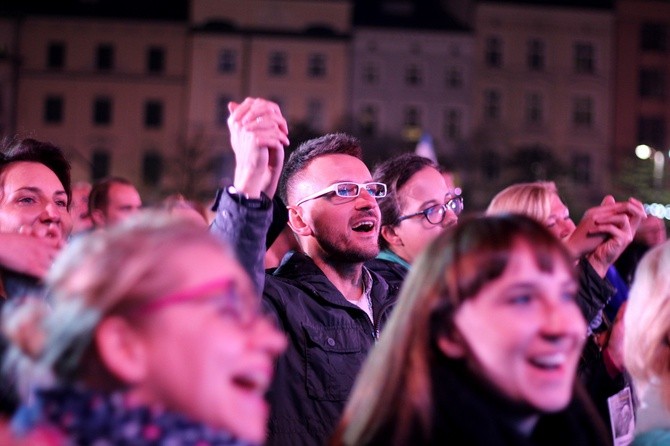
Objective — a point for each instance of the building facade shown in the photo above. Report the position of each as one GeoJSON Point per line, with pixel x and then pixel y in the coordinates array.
{"type": "Point", "coordinates": [542, 99]}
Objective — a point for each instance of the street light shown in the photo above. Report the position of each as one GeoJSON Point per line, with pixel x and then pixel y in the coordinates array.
{"type": "Point", "coordinates": [644, 152]}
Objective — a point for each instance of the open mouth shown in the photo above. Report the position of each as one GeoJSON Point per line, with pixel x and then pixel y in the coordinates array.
{"type": "Point", "coordinates": [364, 226]}
{"type": "Point", "coordinates": [552, 361]}
{"type": "Point", "coordinates": [256, 383]}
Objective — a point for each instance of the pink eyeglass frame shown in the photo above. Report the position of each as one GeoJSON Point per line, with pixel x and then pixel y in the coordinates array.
{"type": "Point", "coordinates": [186, 295]}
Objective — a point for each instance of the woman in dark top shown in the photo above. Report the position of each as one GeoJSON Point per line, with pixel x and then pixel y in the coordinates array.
{"type": "Point", "coordinates": [482, 347]}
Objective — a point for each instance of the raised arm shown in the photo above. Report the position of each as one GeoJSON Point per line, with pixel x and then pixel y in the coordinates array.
{"type": "Point", "coordinates": [258, 134]}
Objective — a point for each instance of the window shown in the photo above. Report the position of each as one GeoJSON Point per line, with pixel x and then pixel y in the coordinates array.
{"type": "Point", "coordinates": [453, 120]}
{"type": "Point", "coordinates": [370, 74]}
{"type": "Point", "coordinates": [53, 110]}
{"type": "Point", "coordinates": [153, 114]}
{"type": "Point", "coordinates": [411, 123]}
{"type": "Point", "coordinates": [413, 75]}
{"type": "Point", "coordinates": [412, 117]}
{"type": "Point", "coordinates": [582, 115]}
{"type": "Point", "coordinates": [227, 62]}
{"type": "Point", "coordinates": [584, 58]}
{"type": "Point", "coordinates": [222, 110]}
{"type": "Point", "coordinates": [651, 131]}
{"type": "Point", "coordinates": [368, 120]}
{"type": "Point", "coordinates": [454, 78]}
{"type": "Point", "coordinates": [492, 105]}
{"type": "Point", "coordinates": [56, 55]}
{"type": "Point", "coordinates": [534, 109]}
{"type": "Point", "coordinates": [102, 111]}
{"type": "Point", "coordinates": [152, 168]}
{"type": "Point", "coordinates": [654, 37]}
{"type": "Point", "coordinates": [156, 60]}
{"type": "Point", "coordinates": [535, 55]}
{"type": "Point", "coordinates": [315, 114]}
{"type": "Point", "coordinates": [277, 65]}
{"type": "Point", "coordinates": [493, 56]}
{"type": "Point", "coordinates": [581, 169]}
{"type": "Point", "coordinates": [652, 83]}
{"type": "Point", "coordinates": [104, 58]}
{"type": "Point", "coordinates": [316, 65]}
{"type": "Point", "coordinates": [100, 164]}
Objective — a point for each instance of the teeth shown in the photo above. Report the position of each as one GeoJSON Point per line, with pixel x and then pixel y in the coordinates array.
{"type": "Point", "coordinates": [364, 226]}
{"type": "Point", "coordinates": [552, 360]}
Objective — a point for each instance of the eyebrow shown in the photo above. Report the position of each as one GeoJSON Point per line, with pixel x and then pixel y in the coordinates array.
{"type": "Point", "coordinates": [38, 190]}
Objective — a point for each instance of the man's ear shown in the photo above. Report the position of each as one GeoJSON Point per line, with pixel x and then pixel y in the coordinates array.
{"type": "Point", "coordinates": [98, 218]}
{"type": "Point", "coordinates": [391, 236]}
{"type": "Point", "coordinates": [451, 345]}
{"type": "Point", "coordinates": [121, 349]}
{"type": "Point", "coordinates": [297, 223]}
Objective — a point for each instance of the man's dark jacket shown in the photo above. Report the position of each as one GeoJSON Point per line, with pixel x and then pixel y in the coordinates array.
{"type": "Point", "coordinates": [329, 337]}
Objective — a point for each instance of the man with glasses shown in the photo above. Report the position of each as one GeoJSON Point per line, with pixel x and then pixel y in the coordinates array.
{"type": "Point", "coordinates": [330, 306]}
{"type": "Point", "coordinates": [418, 206]}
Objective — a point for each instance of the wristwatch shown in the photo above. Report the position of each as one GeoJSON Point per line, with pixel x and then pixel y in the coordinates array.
{"type": "Point", "coordinates": [263, 202]}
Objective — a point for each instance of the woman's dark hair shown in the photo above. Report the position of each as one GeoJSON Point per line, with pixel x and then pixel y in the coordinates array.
{"type": "Point", "coordinates": [34, 151]}
{"type": "Point", "coordinates": [395, 172]}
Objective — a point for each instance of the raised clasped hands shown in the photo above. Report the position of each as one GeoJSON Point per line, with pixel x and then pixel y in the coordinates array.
{"type": "Point", "coordinates": [258, 135]}
{"type": "Point", "coordinates": [605, 231]}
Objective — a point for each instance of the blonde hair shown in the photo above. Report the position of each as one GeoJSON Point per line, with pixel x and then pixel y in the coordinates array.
{"type": "Point", "coordinates": [531, 199]}
{"type": "Point", "coordinates": [647, 323]}
{"type": "Point", "coordinates": [93, 276]}
{"type": "Point", "coordinates": [394, 388]}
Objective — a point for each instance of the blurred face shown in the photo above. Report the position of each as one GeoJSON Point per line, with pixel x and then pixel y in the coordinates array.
{"type": "Point", "coordinates": [559, 222]}
{"type": "Point", "coordinates": [123, 201]}
{"type": "Point", "coordinates": [33, 200]}
{"type": "Point", "coordinates": [340, 228]}
{"type": "Point", "coordinates": [524, 333]}
{"type": "Point", "coordinates": [424, 189]}
{"type": "Point", "coordinates": [79, 209]}
{"type": "Point", "coordinates": [210, 355]}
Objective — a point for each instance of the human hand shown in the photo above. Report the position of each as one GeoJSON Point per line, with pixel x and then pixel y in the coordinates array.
{"type": "Point", "coordinates": [27, 252]}
{"type": "Point", "coordinates": [258, 134]}
{"type": "Point", "coordinates": [605, 231]}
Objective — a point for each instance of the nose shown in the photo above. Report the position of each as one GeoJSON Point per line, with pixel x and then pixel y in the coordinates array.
{"type": "Point", "coordinates": [567, 227]}
{"type": "Point", "coordinates": [562, 320]}
{"type": "Point", "coordinates": [450, 218]}
{"type": "Point", "coordinates": [365, 200]}
{"type": "Point", "coordinates": [50, 213]}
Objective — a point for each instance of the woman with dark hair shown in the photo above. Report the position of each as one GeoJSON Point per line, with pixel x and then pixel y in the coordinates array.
{"type": "Point", "coordinates": [35, 193]}
{"type": "Point", "coordinates": [481, 349]}
{"type": "Point", "coordinates": [418, 206]}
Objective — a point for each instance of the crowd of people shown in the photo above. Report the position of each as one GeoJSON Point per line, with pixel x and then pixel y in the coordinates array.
{"type": "Point", "coordinates": [323, 302]}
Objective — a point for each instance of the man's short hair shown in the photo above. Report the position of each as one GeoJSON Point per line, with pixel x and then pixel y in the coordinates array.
{"type": "Point", "coordinates": [34, 151]}
{"type": "Point", "coordinates": [330, 144]}
{"type": "Point", "coordinates": [98, 199]}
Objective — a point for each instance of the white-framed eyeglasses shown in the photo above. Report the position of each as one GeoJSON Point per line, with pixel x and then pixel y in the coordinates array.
{"type": "Point", "coordinates": [349, 190]}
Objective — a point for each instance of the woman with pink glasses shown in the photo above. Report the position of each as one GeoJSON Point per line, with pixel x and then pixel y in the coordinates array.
{"type": "Point", "coordinates": [152, 336]}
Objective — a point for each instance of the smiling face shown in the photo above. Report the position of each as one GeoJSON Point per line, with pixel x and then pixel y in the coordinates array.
{"type": "Point", "coordinates": [523, 332]}
{"type": "Point", "coordinates": [424, 189]}
{"type": "Point", "coordinates": [559, 222]}
{"type": "Point", "coordinates": [210, 356]}
{"type": "Point", "coordinates": [32, 197]}
{"type": "Point", "coordinates": [332, 227]}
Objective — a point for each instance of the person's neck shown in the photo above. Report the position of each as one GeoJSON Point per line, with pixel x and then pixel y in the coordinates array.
{"type": "Point", "coordinates": [345, 276]}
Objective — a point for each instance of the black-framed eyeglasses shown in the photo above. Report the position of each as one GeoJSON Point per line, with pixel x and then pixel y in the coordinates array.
{"type": "Point", "coordinates": [435, 214]}
{"type": "Point", "coordinates": [349, 190]}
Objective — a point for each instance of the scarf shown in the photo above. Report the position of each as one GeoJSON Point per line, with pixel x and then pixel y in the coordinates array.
{"type": "Point", "coordinates": [87, 417]}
